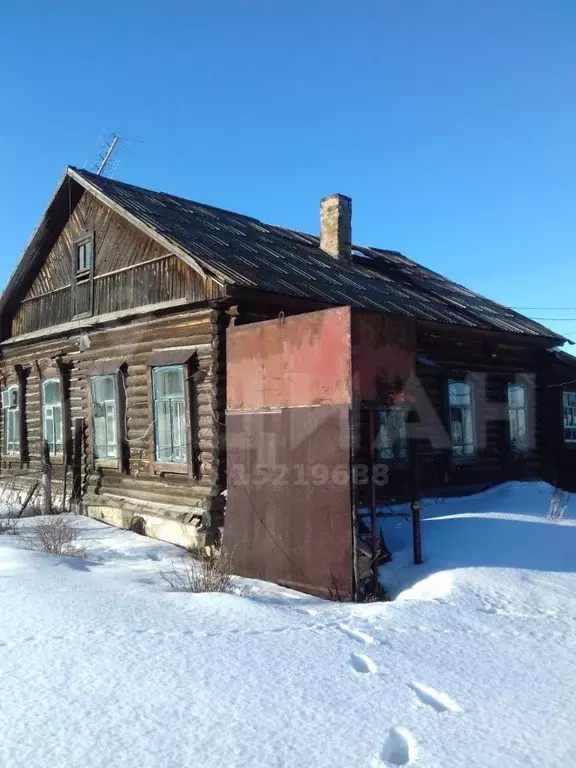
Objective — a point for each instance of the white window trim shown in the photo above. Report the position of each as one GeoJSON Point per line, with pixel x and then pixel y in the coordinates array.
{"type": "Point", "coordinates": [114, 403]}
{"type": "Point", "coordinates": [157, 459]}
{"type": "Point", "coordinates": [517, 385]}
{"type": "Point", "coordinates": [564, 393]}
{"type": "Point", "coordinates": [16, 410]}
{"type": "Point", "coordinates": [472, 408]}
{"type": "Point", "coordinates": [403, 455]}
{"type": "Point", "coordinates": [58, 380]}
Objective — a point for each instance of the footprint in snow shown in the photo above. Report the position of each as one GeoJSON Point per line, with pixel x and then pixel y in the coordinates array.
{"type": "Point", "coordinates": [357, 634]}
{"type": "Point", "coordinates": [399, 747]}
{"type": "Point", "coordinates": [363, 664]}
{"type": "Point", "coordinates": [435, 699]}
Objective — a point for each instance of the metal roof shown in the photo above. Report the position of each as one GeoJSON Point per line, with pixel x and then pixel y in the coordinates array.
{"type": "Point", "coordinates": [243, 251]}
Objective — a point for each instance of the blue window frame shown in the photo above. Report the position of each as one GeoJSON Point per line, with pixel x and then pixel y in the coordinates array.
{"type": "Point", "coordinates": [12, 421]}
{"type": "Point", "coordinates": [169, 404]}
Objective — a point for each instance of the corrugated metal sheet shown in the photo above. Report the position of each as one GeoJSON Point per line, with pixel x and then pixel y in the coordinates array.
{"type": "Point", "coordinates": [244, 252]}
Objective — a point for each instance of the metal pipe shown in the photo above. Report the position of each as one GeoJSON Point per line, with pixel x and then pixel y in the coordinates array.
{"type": "Point", "coordinates": [416, 508]}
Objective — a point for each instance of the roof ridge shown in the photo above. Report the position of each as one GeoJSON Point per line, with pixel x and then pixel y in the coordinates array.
{"type": "Point", "coordinates": [246, 251]}
{"type": "Point", "coordinates": [97, 178]}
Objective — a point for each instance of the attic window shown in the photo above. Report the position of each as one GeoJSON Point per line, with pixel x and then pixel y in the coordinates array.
{"type": "Point", "coordinates": [84, 269]}
{"type": "Point", "coordinates": [84, 255]}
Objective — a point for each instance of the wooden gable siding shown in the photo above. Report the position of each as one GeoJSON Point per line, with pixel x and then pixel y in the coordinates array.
{"type": "Point", "coordinates": [130, 270]}
{"type": "Point", "coordinates": [137, 481]}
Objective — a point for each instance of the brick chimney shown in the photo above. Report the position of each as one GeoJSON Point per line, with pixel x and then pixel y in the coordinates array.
{"type": "Point", "coordinates": [336, 226]}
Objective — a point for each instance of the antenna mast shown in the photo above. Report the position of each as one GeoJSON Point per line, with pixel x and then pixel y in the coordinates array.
{"type": "Point", "coordinates": [107, 155]}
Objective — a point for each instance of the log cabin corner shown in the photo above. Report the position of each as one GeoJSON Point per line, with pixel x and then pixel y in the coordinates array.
{"type": "Point", "coordinates": [113, 345]}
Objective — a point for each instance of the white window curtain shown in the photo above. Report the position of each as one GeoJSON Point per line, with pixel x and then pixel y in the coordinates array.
{"type": "Point", "coordinates": [104, 417]}
{"type": "Point", "coordinates": [569, 402]}
{"type": "Point", "coordinates": [392, 434]}
{"type": "Point", "coordinates": [52, 415]}
{"type": "Point", "coordinates": [12, 423]}
{"type": "Point", "coordinates": [461, 402]}
{"type": "Point", "coordinates": [518, 417]}
{"type": "Point", "coordinates": [169, 414]}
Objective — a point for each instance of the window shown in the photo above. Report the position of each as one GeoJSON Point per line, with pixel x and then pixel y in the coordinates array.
{"type": "Point", "coordinates": [169, 414]}
{"type": "Point", "coordinates": [392, 434]}
{"type": "Point", "coordinates": [52, 414]}
{"type": "Point", "coordinates": [84, 255]}
{"type": "Point", "coordinates": [518, 419]}
{"type": "Point", "coordinates": [461, 418]}
{"type": "Point", "coordinates": [104, 417]}
{"type": "Point", "coordinates": [84, 282]}
{"type": "Point", "coordinates": [11, 409]}
{"type": "Point", "coordinates": [569, 402]}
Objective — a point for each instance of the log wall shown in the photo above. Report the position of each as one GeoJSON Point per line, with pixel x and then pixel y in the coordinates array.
{"type": "Point", "coordinates": [489, 367]}
{"type": "Point", "coordinates": [137, 478]}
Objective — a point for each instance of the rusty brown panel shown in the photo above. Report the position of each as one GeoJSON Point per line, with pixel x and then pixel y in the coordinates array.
{"type": "Point", "coordinates": [288, 514]}
{"type": "Point", "coordinates": [382, 354]}
{"type": "Point", "coordinates": [299, 360]}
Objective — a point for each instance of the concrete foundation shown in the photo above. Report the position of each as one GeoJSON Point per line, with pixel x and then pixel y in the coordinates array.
{"type": "Point", "coordinates": [154, 525]}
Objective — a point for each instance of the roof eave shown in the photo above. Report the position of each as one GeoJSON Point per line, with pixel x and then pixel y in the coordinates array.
{"type": "Point", "coordinates": [22, 263]}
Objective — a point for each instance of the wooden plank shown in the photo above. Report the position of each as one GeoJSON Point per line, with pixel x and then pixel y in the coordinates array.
{"type": "Point", "coordinates": [90, 322]}
{"type": "Point", "coordinates": [148, 230]}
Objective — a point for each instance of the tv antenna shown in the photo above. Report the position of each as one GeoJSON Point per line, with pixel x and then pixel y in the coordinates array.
{"type": "Point", "coordinates": [107, 154]}
{"type": "Point", "coordinates": [105, 160]}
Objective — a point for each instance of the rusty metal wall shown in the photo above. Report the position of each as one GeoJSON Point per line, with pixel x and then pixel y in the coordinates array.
{"type": "Point", "coordinates": [383, 349]}
{"type": "Point", "coordinates": [288, 511]}
{"type": "Point", "coordinates": [288, 517]}
{"type": "Point", "coordinates": [295, 361]}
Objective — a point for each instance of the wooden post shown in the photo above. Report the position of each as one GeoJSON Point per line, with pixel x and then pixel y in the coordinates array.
{"type": "Point", "coordinates": [373, 501]}
{"type": "Point", "coordinates": [77, 459]}
{"type": "Point", "coordinates": [46, 480]}
{"type": "Point", "coordinates": [416, 531]}
{"type": "Point", "coordinates": [415, 505]}
{"type": "Point", "coordinates": [65, 486]}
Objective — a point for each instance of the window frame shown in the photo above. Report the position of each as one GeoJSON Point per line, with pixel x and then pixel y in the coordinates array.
{"type": "Point", "coordinates": [472, 407]}
{"type": "Point", "coordinates": [57, 456]}
{"type": "Point", "coordinates": [514, 446]}
{"type": "Point", "coordinates": [568, 392]}
{"type": "Point", "coordinates": [178, 465]}
{"type": "Point", "coordinates": [108, 461]}
{"type": "Point", "coordinates": [403, 455]}
{"type": "Point", "coordinates": [187, 360]}
{"type": "Point", "coordinates": [84, 277]}
{"type": "Point", "coordinates": [12, 454]}
{"type": "Point", "coordinates": [79, 243]}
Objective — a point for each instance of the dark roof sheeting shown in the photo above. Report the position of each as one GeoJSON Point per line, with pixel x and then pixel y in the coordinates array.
{"type": "Point", "coordinates": [242, 251]}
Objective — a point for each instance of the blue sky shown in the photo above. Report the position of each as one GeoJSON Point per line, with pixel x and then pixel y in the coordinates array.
{"type": "Point", "coordinates": [452, 124]}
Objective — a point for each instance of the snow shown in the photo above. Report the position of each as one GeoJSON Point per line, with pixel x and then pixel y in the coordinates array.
{"type": "Point", "coordinates": [473, 663]}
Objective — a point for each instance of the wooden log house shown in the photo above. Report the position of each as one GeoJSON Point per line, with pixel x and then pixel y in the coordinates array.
{"type": "Point", "coordinates": [113, 351]}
